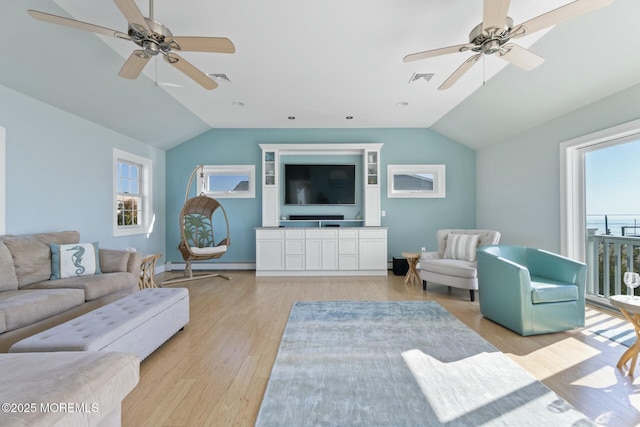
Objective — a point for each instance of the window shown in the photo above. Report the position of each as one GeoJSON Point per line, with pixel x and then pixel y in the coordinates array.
{"type": "Point", "coordinates": [226, 181]}
{"type": "Point", "coordinates": [132, 194]}
{"type": "Point", "coordinates": [416, 181]}
{"type": "Point", "coordinates": [572, 182]}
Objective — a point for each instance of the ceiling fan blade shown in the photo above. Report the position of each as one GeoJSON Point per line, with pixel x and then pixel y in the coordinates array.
{"type": "Point", "coordinates": [134, 64]}
{"type": "Point", "coordinates": [438, 52]}
{"type": "Point", "coordinates": [520, 57]}
{"type": "Point", "coordinates": [466, 66]}
{"type": "Point", "coordinates": [131, 12]}
{"type": "Point", "coordinates": [495, 14]}
{"type": "Point", "coordinates": [203, 44]}
{"type": "Point", "coordinates": [556, 16]}
{"type": "Point", "coordinates": [190, 71]}
{"type": "Point", "coordinates": [55, 19]}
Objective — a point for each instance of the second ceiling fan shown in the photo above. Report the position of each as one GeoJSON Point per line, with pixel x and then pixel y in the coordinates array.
{"type": "Point", "coordinates": [154, 38]}
{"type": "Point", "coordinates": [493, 34]}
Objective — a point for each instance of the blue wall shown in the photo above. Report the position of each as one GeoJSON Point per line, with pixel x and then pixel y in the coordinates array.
{"type": "Point", "coordinates": [412, 223]}
{"type": "Point", "coordinates": [59, 174]}
{"type": "Point", "coordinates": [519, 180]}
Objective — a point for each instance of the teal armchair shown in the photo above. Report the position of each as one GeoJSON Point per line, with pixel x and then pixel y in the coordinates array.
{"type": "Point", "coordinates": [531, 291]}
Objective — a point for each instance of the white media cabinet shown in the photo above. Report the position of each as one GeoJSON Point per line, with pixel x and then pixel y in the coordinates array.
{"type": "Point", "coordinates": [316, 251]}
{"type": "Point", "coordinates": [285, 247]}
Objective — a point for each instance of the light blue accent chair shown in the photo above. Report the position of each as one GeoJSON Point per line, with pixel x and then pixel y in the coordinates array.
{"type": "Point", "coordinates": [531, 291]}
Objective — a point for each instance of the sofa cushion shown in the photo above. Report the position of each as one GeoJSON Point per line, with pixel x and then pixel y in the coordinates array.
{"type": "Point", "coordinates": [92, 383]}
{"type": "Point", "coordinates": [112, 260]}
{"type": "Point", "coordinates": [8, 278]}
{"type": "Point", "coordinates": [25, 307]}
{"type": "Point", "coordinates": [95, 286]}
{"type": "Point", "coordinates": [545, 290]}
{"type": "Point", "coordinates": [78, 259]}
{"type": "Point", "coordinates": [450, 267]}
{"type": "Point", "coordinates": [461, 246]}
{"type": "Point", "coordinates": [32, 255]}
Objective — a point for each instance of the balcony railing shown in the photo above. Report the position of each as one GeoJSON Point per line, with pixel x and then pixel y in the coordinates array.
{"type": "Point", "coordinates": [608, 258]}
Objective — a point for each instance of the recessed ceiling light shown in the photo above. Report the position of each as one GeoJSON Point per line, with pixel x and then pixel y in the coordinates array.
{"type": "Point", "coordinates": [238, 103]}
{"type": "Point", "coordinates": [291, 118]}
{"type": "Point", "coordinates": [349, 117]}
{"type": "Point", "coordinates": [402, 104]}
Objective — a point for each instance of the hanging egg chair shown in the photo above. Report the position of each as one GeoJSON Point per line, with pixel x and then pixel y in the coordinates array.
{"type": "Point", "coordinates": [197, 237]}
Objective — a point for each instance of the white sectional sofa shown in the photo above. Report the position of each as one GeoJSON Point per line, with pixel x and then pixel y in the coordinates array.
{"type": "Point", "coordinates": [65, 389]}
{"type": "Point", "coordinates": [30, 301]}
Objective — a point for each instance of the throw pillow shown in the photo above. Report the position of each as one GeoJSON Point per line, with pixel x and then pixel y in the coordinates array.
{"type": "Point", "coordinates": [8, 279]}
{"type": "Point", "coordinates": [461, 246]}
{"type": "Point", "coordinates": [78, 259]}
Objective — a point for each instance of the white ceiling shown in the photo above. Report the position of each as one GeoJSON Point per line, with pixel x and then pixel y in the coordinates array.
{"type": "Point", "coordinates": [319, 61]}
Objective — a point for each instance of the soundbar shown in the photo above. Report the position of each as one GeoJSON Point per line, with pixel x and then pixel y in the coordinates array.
{"type": "Point", "coordinates": [316, 217]}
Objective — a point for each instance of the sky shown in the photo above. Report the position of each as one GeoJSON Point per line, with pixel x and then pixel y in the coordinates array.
{"type": "Point", "coordinates": [612, 177]}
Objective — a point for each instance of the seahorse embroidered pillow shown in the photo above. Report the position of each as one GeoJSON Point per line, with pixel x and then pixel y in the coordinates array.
{"type": "Point", "coordinates": [77, 259]}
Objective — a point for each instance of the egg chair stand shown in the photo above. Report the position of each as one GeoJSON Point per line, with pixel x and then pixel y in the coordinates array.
{"type": "Point", "coordinates": [197, 234]}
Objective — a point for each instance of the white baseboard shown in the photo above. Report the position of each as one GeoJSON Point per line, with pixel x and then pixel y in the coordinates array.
{"type": "Point", "coordinates": [180, 266]}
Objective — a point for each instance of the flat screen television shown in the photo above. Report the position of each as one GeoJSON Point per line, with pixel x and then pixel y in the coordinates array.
{"type": "Point", "coordinates": [319, 184]}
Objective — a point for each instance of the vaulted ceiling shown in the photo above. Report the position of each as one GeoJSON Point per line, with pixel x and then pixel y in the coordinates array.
{"type": "Point", "coordinates": [319, 62]}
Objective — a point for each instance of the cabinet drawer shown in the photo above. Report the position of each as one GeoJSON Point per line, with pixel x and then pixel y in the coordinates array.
{"type": "Point", "coordinates": [322, 234]}
{"type": "Point", "coordinates": [294, 247]}
{"type": "Point", "coordinates": [348, 246]}
{"type": "Point", "coordinates": [373, 234]}
{"type": "Point", "coordinates": [348, 234]}
{"type": "Point", "coordinates": [294, 234]}
{"type": "Point", "coordinates": [270, 234]}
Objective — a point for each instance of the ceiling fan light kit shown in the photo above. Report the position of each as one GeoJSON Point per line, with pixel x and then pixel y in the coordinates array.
{"type": "Point", "coordinates": [493, 34]}
{"type": "Point", "coordinates": [154, 38]}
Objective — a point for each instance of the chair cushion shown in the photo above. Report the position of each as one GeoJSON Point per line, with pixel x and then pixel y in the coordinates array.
{"type": "Point", "coordinates": [545, 290]}
{"type": "Point", "coordinates": [210, 250]}
{"type": "Point", "coordinates": [450, 267]}
{"type": "Point", "coordinates": [461, 246]}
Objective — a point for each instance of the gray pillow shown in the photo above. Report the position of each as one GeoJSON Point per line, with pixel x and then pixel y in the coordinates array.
{"type": "Point", "coordinates": [8, 279]}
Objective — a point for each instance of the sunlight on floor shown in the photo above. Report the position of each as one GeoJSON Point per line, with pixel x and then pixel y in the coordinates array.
{"type": "Point", "coordinates": [602, 378]}
{"type": "Point", "coordinates": [578, 350]}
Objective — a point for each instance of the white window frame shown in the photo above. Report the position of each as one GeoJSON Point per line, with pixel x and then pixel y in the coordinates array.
{"type": "Point", "coordinates": [209, 170]}
{"type": "Point", "coordinates": [572, 183]}
{"type": "Point", "coordinates": [147, 191]}
{"type": "Point", "coordinates": [439, 181]}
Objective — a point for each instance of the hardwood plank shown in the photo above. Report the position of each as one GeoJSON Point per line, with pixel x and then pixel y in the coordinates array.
{"type": "Point", "coordinates": [214, 373]}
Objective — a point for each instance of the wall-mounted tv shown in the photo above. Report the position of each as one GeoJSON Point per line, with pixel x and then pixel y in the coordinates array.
{"type": "Point", "coordinates": [319, 184]}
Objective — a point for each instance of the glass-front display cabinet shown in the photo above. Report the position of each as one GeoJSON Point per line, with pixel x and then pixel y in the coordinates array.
{"type": "Point", "coordinates": [269, 168]}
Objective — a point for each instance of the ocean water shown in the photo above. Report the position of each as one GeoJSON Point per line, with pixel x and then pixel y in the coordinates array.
{"type": "Point", "coordinates": [615, 224]}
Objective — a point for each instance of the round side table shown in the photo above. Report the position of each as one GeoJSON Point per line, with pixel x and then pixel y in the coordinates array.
{"type": "Point", "coordinates": [412, 260]}
{"type": "Point", "coordinates": [630, 308]}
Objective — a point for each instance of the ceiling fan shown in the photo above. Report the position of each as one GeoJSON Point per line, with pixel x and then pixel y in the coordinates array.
{"type": "Point", "coordinates": [154, 38]}
{"type": "Point", "coordinates": [496, 30]}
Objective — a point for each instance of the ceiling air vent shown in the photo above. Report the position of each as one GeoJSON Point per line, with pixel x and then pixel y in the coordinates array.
{"type": "Point", "coordinates": [220, 78]}
{"type": "Point", "coordinates": [422, 76]}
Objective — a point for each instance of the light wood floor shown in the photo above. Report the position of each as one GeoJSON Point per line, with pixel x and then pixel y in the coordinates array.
{"type": "Point", "coordinates": [214, 373]}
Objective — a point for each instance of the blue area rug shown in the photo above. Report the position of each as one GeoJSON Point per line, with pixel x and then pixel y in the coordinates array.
{"type": "Point", "coordinates": [399, 364]}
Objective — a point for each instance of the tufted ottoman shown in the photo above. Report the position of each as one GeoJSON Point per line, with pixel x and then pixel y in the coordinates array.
{"type": "Point", "coordinates": [138, 323]}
